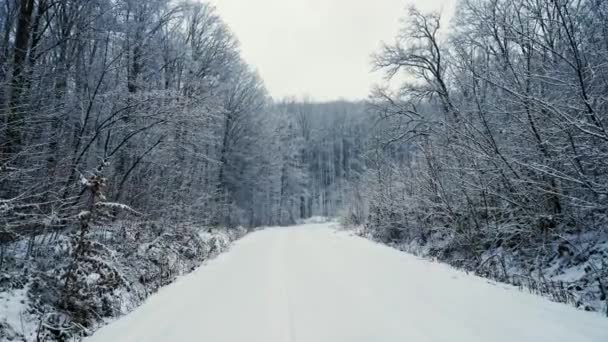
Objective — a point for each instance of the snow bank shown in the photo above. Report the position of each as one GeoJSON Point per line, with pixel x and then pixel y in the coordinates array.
{"type": "Point", "coordinates": [16, 320]}
{"type": "Point", "coordinates": [126, 263]}
{"type": "Point", "coordinates": [574, 272]}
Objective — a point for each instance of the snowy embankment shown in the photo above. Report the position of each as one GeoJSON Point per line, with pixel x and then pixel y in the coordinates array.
{"type": "Point", "coordinates": [136, 260]}
{"type": "Point", "coordinates": [313, 283]}
{"type": "Point", "coordinates": [575, 271]}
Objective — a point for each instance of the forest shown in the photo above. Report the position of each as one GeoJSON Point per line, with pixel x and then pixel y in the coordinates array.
{"type": "Point", "coordinates": [136, 142]}
{"type": "Point", "coordinates": [492, 155]}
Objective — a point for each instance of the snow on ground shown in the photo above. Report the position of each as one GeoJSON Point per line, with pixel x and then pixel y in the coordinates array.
{"type": "Point", "coordinates": [312, 283]}
{"type": "Point", "coordinates": [315, 219]}
{"type": "Point", "coordinates": [14, 317]}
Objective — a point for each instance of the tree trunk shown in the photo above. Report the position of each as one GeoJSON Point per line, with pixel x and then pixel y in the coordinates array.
{"type": "Point", "coordinates": [15, 110]}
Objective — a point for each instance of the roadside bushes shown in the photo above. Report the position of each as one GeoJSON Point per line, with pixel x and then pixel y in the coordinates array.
{"type": "Point", "coordinates": [125, 262]}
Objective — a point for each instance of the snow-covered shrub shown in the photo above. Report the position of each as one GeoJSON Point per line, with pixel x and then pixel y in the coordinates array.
{"type": "Point", "coordinates": [423, 208]}
{"type": "Point", "coordinates": [123, 263]}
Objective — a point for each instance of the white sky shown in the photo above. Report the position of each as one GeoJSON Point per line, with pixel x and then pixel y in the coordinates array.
{"type": "Point", "coordinates": [317, 48]}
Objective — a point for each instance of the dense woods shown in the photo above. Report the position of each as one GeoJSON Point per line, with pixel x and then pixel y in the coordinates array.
{"type": "Point", "coordinates": [115, 115]}
{"type": "Point", "coordinates": [135, 142]}
{"type": "Point", "coordinates": [148, 94]}
{"type": "Point", "coordinates": [492, 155]}
{"type": "Point", "coordinates": [134, 126]}
{"type": "Point", "coordinates": [329, 144]}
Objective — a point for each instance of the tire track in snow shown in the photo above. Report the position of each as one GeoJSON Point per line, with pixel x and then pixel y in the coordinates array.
{"type": "Point", "coordinates": [285, 257]}
{"type": "Point", "coordinates": [281, 305]}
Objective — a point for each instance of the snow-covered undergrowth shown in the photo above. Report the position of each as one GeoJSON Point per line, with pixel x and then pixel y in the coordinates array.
{"type": "Point", "coordinates": [127, 262]}
{"type": "Point", "coordinates": [569, 269]}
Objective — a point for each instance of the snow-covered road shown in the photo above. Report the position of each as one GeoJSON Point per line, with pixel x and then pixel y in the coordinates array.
{"type": "Point", "coordinates": [312, 283]}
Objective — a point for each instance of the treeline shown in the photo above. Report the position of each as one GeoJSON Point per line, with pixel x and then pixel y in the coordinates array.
{"type": "Point", "coordinates": [147, 94]}
{"type": "Point", "coordinates": [329, 142]}
{"type": "Point", "coordinates": [154, 97]}
{"type": "Point", "coordinates": [122, 122]}
{"type": "Point", "coordinates": [494, 151]}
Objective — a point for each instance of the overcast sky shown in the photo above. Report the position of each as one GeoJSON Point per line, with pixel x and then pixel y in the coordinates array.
{"type": "Point", "coordinates": [316, 48]}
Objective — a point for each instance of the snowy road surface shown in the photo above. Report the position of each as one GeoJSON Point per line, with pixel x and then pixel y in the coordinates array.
{"type": "Point", "coordinates": [312, 283]}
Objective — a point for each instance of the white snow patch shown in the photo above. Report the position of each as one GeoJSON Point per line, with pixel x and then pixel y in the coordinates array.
{"type": "Point", "coordinates": [315, 220]}
{"type": "Point", "coordinates": [93, 278]}
{"type": "Point", "coordinates": [571, 274]}
{"type": "Point", "coordinates": [14, 317]}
